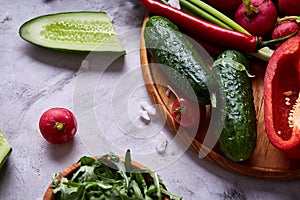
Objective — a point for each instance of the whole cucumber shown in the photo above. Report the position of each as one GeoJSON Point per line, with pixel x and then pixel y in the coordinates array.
{"type": "Point", "coordinates": [238, 136]}
{"type": "Point", "coordinates": [178, 58]}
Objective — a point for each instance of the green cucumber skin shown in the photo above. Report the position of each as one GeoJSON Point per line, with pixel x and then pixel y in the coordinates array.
{"type": "Point", "coordinates": [238, 137]}
{"type": "Point", "coordinates": [35, 38]}
{"type": "Point", "coordinates": [3, 161]}
{"type": "Point", "coordinates": [5, 149]}
{"type": "Point", "coordinates": [170, 48]}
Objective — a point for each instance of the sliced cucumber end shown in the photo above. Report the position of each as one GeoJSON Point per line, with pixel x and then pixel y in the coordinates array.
{"type": "Point", "coordinates": [73, 31]}
{"type": "Point", "coordinates": [5, 149]}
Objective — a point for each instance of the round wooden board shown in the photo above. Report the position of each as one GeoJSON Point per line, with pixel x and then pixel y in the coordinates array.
{"type": "Point", "coordinates": [267, 162]}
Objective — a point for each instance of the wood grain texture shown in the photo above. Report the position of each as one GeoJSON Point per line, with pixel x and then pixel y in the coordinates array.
{"type": "Point", "coordinates": [267, 162]}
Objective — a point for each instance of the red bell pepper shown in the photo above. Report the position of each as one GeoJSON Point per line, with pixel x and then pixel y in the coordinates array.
{"type": "Point", "coordinates": [282, 98]}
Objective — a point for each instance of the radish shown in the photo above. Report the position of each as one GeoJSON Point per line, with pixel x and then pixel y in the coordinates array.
{"type": "Point", "coordinates": [58, 125]}
{"type": "Point", "coordinates": [256, 16]}
{"type": "Point", "coordinates": [285, 26]}
{"type": "Point", "coordinates": [289, 7]}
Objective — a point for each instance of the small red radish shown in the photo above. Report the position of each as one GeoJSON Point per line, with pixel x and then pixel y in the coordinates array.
{"type": "Point", "coordinates": [187, 113]}
{"type": "Point", "coordinates": [256, 16]}
{"type": "Point", "coordinates": [289, 7]}
{"type": "Point", "coordinates": [58, 125]}
{"type": "Point", "coordinates": [285, 27]}
{"type": "Point", "coordinates": [224, 4]}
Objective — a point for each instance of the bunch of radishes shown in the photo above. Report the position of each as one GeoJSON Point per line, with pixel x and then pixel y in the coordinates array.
{"type": "Point", "coordinates": [265, 18]}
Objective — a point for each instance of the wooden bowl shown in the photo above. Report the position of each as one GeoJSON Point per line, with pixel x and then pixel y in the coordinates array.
{"type": "Point", "coordinates": [67, 172]}
{"type": "Point", "coordinates": [49, 195]}
{"type": "Point", "coordinates": [267, 162]}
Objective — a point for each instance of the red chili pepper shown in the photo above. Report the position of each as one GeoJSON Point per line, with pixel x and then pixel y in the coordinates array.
{"type": "Point", "coordinates": [205, 30]}
{"type": "Point", "coordinates": [282, 98]}
{"type": "Point", "coordinates": [212, 49]}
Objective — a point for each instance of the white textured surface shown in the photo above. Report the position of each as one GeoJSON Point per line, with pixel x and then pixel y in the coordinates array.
{"type": "Point", "coordinates": [34, 79]}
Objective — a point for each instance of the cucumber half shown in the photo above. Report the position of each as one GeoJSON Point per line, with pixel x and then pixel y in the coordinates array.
{"type": "Point", "coordinates": [73, 31]}
{"type": "Point", "coordinates": [5, 149]}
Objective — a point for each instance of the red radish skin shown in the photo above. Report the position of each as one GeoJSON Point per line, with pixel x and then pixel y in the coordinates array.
{"type": "Point", "coordinates": [289, 7]}
{"type": "Point", "coordinates": [224, 4]}
{"type": "Point", "coordinates": [259, 19]}
{"type": "Point", "coordinates": [187, 113]}
{"type": "Point", "coordinates": [284, 29]}
{"type": "Point", "coordinates": [58, 125]}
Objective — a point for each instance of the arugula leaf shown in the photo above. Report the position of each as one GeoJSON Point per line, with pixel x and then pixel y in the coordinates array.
{"type": "Point", "coordinates": [172, 196]}
{"type": "Point", "coordinates": [127, 161]}
{"type": "Point", "coordinates": [136, 191]}
{"type": "Point", "coordinates": [63, 191]}
{"type": "Point", "coordinates": [120, 165]}
{"type": "Point", "coordinates": [86, 160]}
{"type": "Point", "coordinates": [84, 173]}
{"type": "Point", "coordinates": [141, 181]}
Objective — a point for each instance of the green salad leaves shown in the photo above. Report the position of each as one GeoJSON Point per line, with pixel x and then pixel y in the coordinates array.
{"type": "Point", "coordinates": [107, 178]}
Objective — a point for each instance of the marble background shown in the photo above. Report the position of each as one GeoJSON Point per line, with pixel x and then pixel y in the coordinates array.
{"type": "Point", "coordinates": [107, 103]}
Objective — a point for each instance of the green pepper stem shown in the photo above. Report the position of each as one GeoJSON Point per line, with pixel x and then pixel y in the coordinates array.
{"type": "Point", "coordinates": [267, 43]}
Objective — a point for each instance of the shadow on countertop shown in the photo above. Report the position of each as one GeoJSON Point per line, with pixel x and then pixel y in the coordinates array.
{"type": "Point", "coordinates": [61, 59]}
{"type": "Point", "coordinates": [60, 152]}
{"type": "Point", "coordinates": [98, 61]}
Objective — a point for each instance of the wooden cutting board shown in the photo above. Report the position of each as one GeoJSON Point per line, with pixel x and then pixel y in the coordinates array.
{"type": "Point", "coordinates": [267, 162]}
